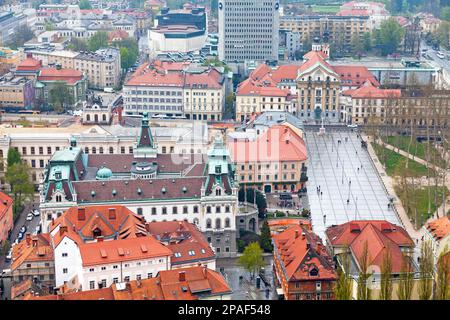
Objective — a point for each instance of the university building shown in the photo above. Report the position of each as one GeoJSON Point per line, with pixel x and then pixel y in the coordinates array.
{"type": "Point", "coordinates": [198, 188]}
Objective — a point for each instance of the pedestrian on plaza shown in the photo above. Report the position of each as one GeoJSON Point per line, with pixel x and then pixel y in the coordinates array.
{"type": "Point", "coordinates": [348, 201]}
{"type": "Point", "coordinates": [358, 169]}
{"type": "Point", "coordinates": [321, 194]}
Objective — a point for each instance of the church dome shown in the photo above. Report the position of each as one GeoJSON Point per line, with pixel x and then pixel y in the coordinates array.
{"type": "Point", "coordinates": [103, 174]}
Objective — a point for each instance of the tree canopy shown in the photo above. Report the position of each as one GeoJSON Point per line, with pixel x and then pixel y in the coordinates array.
{"type": "Point", "coordinates": [390, 36]}
{"type": "Point", "coordinates": [252, 258]}
{"type": "Point", "coordinates": [60, 97]}
{"type": "Point", "coordinates": [98, 40]}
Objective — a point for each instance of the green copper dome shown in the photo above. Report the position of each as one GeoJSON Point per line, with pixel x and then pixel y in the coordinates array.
{"type": "Point", "coordinates": [103, 174]}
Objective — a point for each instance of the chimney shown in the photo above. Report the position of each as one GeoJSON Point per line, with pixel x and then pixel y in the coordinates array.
{"type": "Point", "coordinates": [28, 238]}
{"type": "Point", "coordinates": [112, 213]}
{"type": "Point", "coordinates": [303, 236]}
{"type": "Point", "coordinates": [62, 229]}
{"type": "Point", "coordinates": [81, 214]}
{"type": "Point", "coordinates": [35, 241]}
{"type": "Point", "coordinates": [182, 276]}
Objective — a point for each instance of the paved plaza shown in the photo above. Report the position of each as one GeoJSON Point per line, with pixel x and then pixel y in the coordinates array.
{"type": "Point", "coordinates": [350, 187]}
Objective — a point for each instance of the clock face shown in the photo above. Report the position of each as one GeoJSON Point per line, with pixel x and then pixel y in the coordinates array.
{"type": "Point", "coordinates": [220, 5]}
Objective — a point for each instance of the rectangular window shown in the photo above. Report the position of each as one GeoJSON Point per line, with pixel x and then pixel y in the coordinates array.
{"type": "Point", "coordinates": [92, 285]}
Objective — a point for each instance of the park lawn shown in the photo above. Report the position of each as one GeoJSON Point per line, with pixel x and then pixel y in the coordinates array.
{"type": "Point", "coordinates": [332, 9]}
{"type": "Point", "coordinates": [419, 199]}
{"type": "Point", "coordinates": [418, 149]}
{"type": "Point", "coordinates": [396, 163]}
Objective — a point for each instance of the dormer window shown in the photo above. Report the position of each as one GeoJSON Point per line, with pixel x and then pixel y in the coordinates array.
{"type": "Point", "coordinates": [97, 232]}
{"type": "Point", "coordinates": [58, 175]}
{"type": "Point", "coordinates": [218, 192]}
{"type": "Point", "coordinates": [58, 198]}
{"type": "Point", "coordinates": [314, 272]}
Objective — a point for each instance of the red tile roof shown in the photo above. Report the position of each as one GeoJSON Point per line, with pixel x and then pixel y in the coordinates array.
{"type": "Point", "coordinates": [355, 76]}
{"type": "Point", "coordinates": [300, 251]}
{"type": "Point", "coordinates": [113, 221]}
{"type": "Point", "coordinates": [439, 228]}
{"type": "Point", "coordinates": [278, 143]}
{"type": "Point", "coordinates": [5, 203]}
{"type": "Point", "coordinates": [32, 248]}
{"type": "Point", "coordinates": [167, 285]}
{"type": "Point", "coordinates": [369, 91]}
{"type": "Point", "coordinates": [29, 64]}
{"type": "Point", "coordinates": [181, 238]}
{"type": "Point", "coordinates": [381, 236]}
{"type": "Point", "coordinates": [70, 76]}
{"type": "Point", "coordinates": [130, 249]}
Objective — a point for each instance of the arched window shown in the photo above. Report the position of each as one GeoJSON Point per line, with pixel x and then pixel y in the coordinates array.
{"type": "Point", "coordinates": [97, 232]}
{"type": "Point", "coordinates": [86, 150]}
{"type": "Point", "coordinates": [94, 150]}
{"type": "Point", "coordinates": [218, 209]}
{"type": "Point", "coordinates": [88, 117]}
{"type": "Point", "coordinates": [218, 223]}
{"type": "Point", "coordinates": [227, 222]}
{"type": "Point", "coordinates": [100, 150]}
{"type": "Point", "coordinates": [104, 117]}
{"type": "Point", "coordinates": [208, 223]}
{"type": "Point", "coordinates": [111, 150]}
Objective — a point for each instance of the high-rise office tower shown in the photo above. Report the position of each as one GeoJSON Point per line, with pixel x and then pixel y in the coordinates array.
{"type": "Point", "coordinates": [248, 30]}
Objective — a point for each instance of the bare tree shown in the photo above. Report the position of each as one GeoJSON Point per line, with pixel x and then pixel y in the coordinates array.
{"type": "Point", "coordinates": [386, 274]}
{"type": "Point", "coordinates": [426, 271]}
{"type": "Point", "coordinates": [364, 292]}
{"type": "Point", "coordinates": [442, 276]}
{"type": "Point", "coordinates": [406, 282]}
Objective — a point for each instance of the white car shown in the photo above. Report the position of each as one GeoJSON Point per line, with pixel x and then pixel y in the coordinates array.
{"type": "Point", "coordinates": [35, 213]}
{"type": "Point", "coordinates": [440, 55]}
{"type": "Point", "coordinates": [352, 126]}
{"type": "Point", "coordinates": [30, 217]}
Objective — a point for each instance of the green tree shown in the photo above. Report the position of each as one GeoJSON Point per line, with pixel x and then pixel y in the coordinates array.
{"type": "Point", "coordinates": [49, 26]}
{"type": "Point", "coordinates": [76, 44]}
{"type": "Point", "coordinates": [445, 13]}
{"type": "Point", "coordinates": [406, 280]}
{"type": "Point", "coordinates": [129, 52]}
{"type": "Point", "coordinates": [21, 35]}
{"type": "Point", "coordinates": [98, 40]}
{"type": "Point", "coordinates": [391, 34]}
{"type": "Point", "coordinates": [252, 258]}
{"type": "Point", "coordinates": [442, 34]}
{"type": "Point", "coordinates": [343, 288]}
{"type": "Point", "coordinates": [229, 106]}
{"type": "Point", "coordinates": [442, 276]}
{"type": "Point", "coordinates": [386, 274]}
{"type": "Point", "coordinates": [13, 157]}
{"type": "Point", "coordinates": [18, 177]}
{"type": "Point", "coordinates": [60, 97]}
{"type": "Point", "coordinates": [266, 239]}
{"type": "Point", "coordinates": [357, 45]}
{"type": "Point", "coordinates": [367, 42]}
{"type": "Point", "coordinates": [85, 5]}
{"type": "Point", "coordinates": [426, 271]}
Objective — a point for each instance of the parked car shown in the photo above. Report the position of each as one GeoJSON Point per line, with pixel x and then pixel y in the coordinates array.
{"type": "Point", "coordinates": [19, 236]}
{"type": "Point", "coordinates": [440, 55]}
{"type": "Point", "coordinates": [35, 213]}
{"type": "Point", "coordinates": [38, 228]}
{"type": "Point", "coordinates": [8, 256]}
{"type": "Point", "coordinates": [352, 126]}
{"type": "Point", "coordinates": [23, 229]}
{"type": "Point", "coordinates": [30, 217]}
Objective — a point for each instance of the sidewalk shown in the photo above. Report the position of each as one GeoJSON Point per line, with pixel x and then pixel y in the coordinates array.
{"type": "Point", "coordinates": [389, 184]}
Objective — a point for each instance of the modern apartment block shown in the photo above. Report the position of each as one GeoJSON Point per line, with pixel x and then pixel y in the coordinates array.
{"type": "Point", "coordinates": [248, 30]}
{"type": "Point", "coordinates": [102, 67]}
{"type": "Point", "coordinates": [338, 29]}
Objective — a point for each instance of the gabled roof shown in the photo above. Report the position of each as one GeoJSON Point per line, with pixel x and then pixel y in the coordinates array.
{"type": "Point", "coordinates": [186, 242]}
{"type": "Point", "coordinates": [32, 249]}
{"type": "Point", "coordinates": [369, 91]}
{"type": "Point", "coordinates": [439, 228]}
{"type": "Point", "coordinates": [278, 143]}
{"type": "Point", "coordinates": [5, 204]}
{"type": "Point", "coordinates": [70, 76]}
{"type": "Point", "coordinates": [355, 76]}
{"type": "Point", "coordinates": [300, 251]}
{"type": "Point", "coordinates": [121, 250]}
{"type": "Point", "coordinates": [381, 237]}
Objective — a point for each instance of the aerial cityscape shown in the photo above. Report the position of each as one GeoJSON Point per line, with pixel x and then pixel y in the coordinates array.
{"type": "Point", "coordinates": [224, 150]}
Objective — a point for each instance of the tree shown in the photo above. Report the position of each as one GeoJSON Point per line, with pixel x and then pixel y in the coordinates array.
{"type": "Point", "coordinates": [442, 276]}
{"type": "Point", "coordinates": [129, 52]}
{"type": "Point", "coordinates": [367, 42]}
{"type": "Point", "coordinates": [98, 40]}
{"type": "Point", "coordinates": [386, 273]}
{"type": "Point", "coordinates": [391, 34]}
{"type": "Point", "coordinates": [248, 195]}
{"type": "Point", "coordinates": [229, 106]}
{"type": "Point", "coordinates": [266, 239]}
{"type": "Point", "coordinates": [13, 157]}
{"type": "Point", "coordinates": [60, 97]}
{"type": "Point", "coordinates": [364, 291]}
{"type": "Point", "coordinates": [406, 281]}
{"type": "Point", "coordinates": [85, 5]}
{"type": "Point", "coordinates": [49, 26]}
{"type": "Point", "coordinates": [426, 271]}
{"type": "Point", "coordinates": [357, 45]}
{"type": "Point", "coordinates": [18, 177]}
{"type": "Point", "coordinates": [343, 288]}
{"type": "Point", "coordinates": [445, 13]}
{"type": "Point", "coordinates": [76, 44]}
{"type": "Point", "coordinates": [252, 258]}
{"type": "Point", "coordinates": [21, 35]}
{"type": "Point", "coordinates": [442, 34]}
